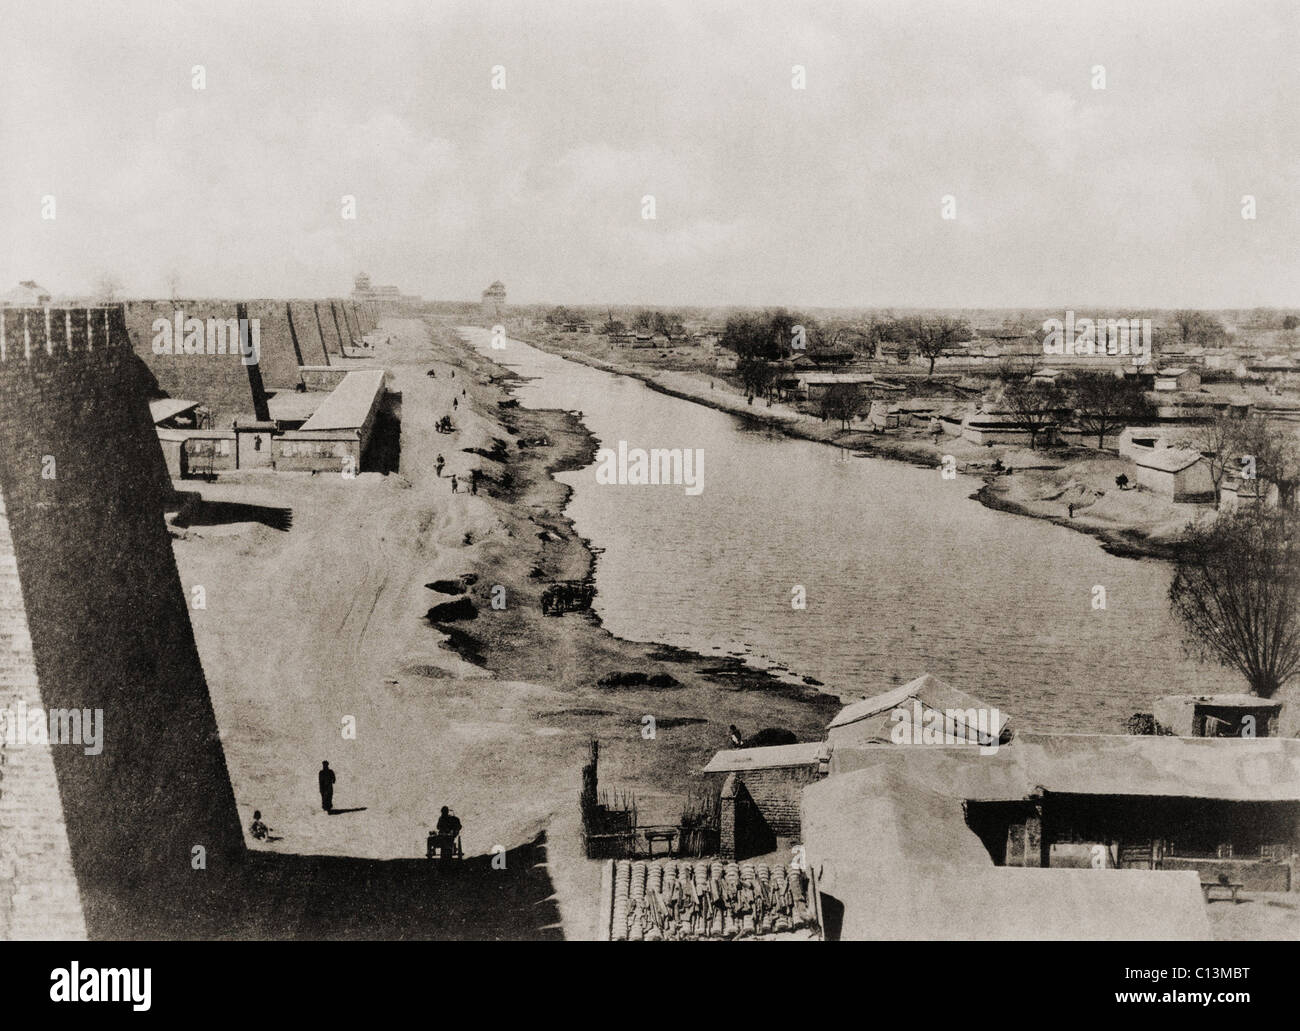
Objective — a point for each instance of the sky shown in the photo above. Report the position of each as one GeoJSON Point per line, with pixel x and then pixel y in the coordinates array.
{"type": "Point", "coordinates": [828, 196]}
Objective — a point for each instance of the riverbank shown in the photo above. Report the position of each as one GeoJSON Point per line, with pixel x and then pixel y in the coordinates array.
{"type": "Point", "coordinates": [332, 588]}
{"type": "Point", "coordinates": [1129, 523]}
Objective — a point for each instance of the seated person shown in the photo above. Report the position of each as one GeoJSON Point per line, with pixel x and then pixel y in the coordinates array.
{"type": "Point", "coordinates": [448, 825]}
{"type": "Point", "coordinates": [257, 828]}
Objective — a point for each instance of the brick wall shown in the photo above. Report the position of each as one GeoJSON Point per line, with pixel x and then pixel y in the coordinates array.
{"type": "Point", "coordinates": [221, 382]}
{"type": "Point", "coordinates": [760, 806]}
{"type": "Point", "coordinates": [307, 328]}
{"type": "Point", "coordinates": [38, 890]}
{"type": "Point", "coordinates": [368, 318]}
{"type": "Point", "coordinates": [316, 452]}
{"type": "Point", "coordinates": [777, 793]}
{"type": "Point", "coordinates": [109, 627]}
{"type": "Point", "coordinates": [279, 354]}
{"type": "Point", "coordinates": [328, 329]}
{"type": "Point", "coordinates": [323, 378]}
{"type": "Point", "coordinates": [340, 326]}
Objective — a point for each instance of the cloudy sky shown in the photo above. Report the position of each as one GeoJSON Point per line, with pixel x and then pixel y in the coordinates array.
{"type": "Point", "coordinates": [1065, 195]}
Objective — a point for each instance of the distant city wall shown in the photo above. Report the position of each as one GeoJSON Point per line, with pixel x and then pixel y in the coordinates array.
{"type": "Point", "coordinates": [334, 323]}
{"type": "Point", "coordinates": [307, 329]}
{"type": "Point", "coordinates": [280, 356]}
{"type": "Point", "coordinates": [292, 334]}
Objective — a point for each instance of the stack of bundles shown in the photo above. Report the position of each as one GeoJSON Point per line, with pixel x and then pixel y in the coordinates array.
{"type": "Point", "coordinates": [801, 915]}
{"type": "Point", "coordinates": [636, 930]}
{"type": "Point", "coordinates": [656, 915]}
{"type": "Point", "coordinates": [622, 878]}
{"type": "Point", "coordinates": [676, 901]}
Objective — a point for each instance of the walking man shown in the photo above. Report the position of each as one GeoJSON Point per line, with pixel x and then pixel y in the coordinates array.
{"type": "Point", "coordinates": [454, 488]}
{"type": "Point", "coordinates": [438, 465]}
{"type": "Point", "coordinates": [326, 779]}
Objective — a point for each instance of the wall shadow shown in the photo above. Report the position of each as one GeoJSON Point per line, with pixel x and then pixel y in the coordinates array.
{"type": "Point", "coordinates": [291, 897]}
{"type": "Point", "coordinates": [220, 513]}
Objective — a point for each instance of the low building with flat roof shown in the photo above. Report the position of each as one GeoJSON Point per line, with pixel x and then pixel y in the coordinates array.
{"type": "Point", "coordinates": [334, 438]}
{"type": "Point", "coordinates": [1178, 474]}
{"type": "Point", "coordinates": [891, 857]}
{"type": "Point", "coordinates": [760, 794]}
{"type": "Point", "coordinates": [1221, 806]}
{"type": "Point", "coordinates": [198, 453]}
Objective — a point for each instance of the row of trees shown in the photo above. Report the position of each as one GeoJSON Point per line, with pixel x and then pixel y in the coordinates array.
{"type": "Point", "coordinates": [1100, 403]}
{"type": "Point", "coordinates": [667, 323]}
{"type": "Point", "coordinates": [774, 335]}
{"type": "Point", "coordinates": [560, 316]}
{"type": "Point", "coordinates": [1193, 329]}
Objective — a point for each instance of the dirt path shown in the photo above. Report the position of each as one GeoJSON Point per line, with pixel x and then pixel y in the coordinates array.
{"type": "Point", "coordinates": [306, 628]}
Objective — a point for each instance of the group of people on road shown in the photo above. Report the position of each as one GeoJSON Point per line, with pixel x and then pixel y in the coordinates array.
{"type": "Point", "coordinates": [474, 475]}
{"type": "Point", "coordinates": [448, 826]}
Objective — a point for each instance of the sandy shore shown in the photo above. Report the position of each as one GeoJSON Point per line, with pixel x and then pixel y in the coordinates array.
{"type": "Point", "coordinates": [315, 622]}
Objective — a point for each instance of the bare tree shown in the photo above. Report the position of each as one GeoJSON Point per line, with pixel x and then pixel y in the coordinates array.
{"type": "Point", "coordinates": [1104, 403]}
{"type": "Point", "coordinates": [1236, 592]}
{"type": "Point", "coordinates": [861, 340]}
{"type": "Point", "coordinates": [1035, 403]}
{"type": "Point", "coordinates": [940, 335]}
{"type": "Point", "coordinates": [1017, 366]}
{"type": "Point", "coordinates": [1269, 454]}
{"type": "Point", "coordinates": [1196, 329]}
{"type": "Point", "coordinates": [107, 287]}
{"type": "Point", "coordinates": [841, 401]}
{"type": "Point", "coordinates": [932, 337]}
{"type": "Point", "coordinates": [1217, 440]}
{"type": "Point", "coordinates": [756, 374]}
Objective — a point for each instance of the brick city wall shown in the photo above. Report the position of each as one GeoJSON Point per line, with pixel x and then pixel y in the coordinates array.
{"type": "Point", "coordinates": [38, 890]}
{"type": "Point", "coordinates": [307, 331]}
{"type": "Point", "coordinates": [221, 382]}
{"type": "Point", "coordinates": [291, 335]}
{"type": "Point", "coordinates": [334, 320]}
{"type": "Point", "coordinates": [83, 483]}
{"type": "Point", "coordinates": [280, 355]}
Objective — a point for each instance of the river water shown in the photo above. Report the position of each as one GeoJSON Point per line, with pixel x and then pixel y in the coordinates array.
{"type": "Point", "coordinates": [904, 574]}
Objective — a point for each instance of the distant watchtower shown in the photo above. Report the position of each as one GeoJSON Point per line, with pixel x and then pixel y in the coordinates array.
{"type": "Point", "coordinates": [494, 301]}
